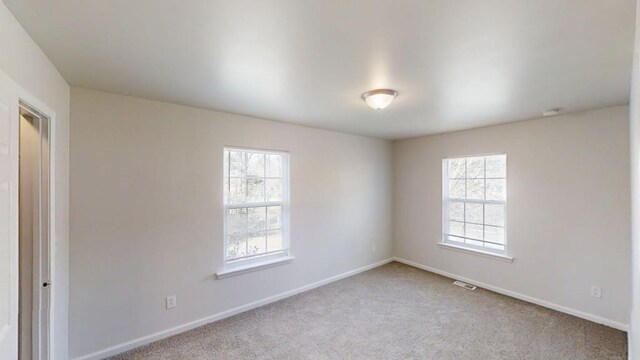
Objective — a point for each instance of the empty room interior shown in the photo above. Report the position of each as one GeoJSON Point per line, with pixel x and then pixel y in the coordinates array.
{"type": "Point", "coordinates": [319, 179]}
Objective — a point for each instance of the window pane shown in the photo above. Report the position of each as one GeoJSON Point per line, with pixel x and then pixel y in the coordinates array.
{"type": "Point", "coordinates": [456, 189]}
{"type": "Point", "coordinates": [236, 221]}
{"type": "Point", "coordinates": [456, 168]}
{"type": "Point", "coordinates": [496, 189]}
{"type": "Point", "coordinates": [494, 214]}
{"type": "Point", "coordinates": [496, 166]}
{"type": "Point", "coordinates": [495, 234]}
{"type": "Point", "coordinates": [255, 190]}
{"type": "Point", "coordinates": [257, 219]}
{"type": "Point", "coordinates": [274, 165]}
{"type": "Point", "coordinates": [237, 191]}
{"type": "Point", "coordinates": [475, 167]}
{"type": "Point", "coordinates": [257, 244]}
{"type": "Point", "coordinates": [456, 211]}
{"type": "Point", "coordinates": [456, 228]}
{"type": "Point", "coordinates": [226, 190]}
{"type": "Point", "coordinates": [236, 246]}
{"type": "Point", "coordinates": [474, 213]}
{"type": "Point", "coordinates": [236, 166]}
{"type": "Point", "coordinates": [473, 231]}
{"type": "Point", "coordinates": [253, 177]}
{"type": "Point", "coordinates": [475, 189]}
{"type": "Point", "coordinates": [473, 242]}
{"type": "Point", "coordinates": [274, 217]}
{"type": "Point", "coordinates": [471, 220]}
{"type": "Point", "coordinates": [274, 240]}
{"type": "Point", "coordinates": [274, 190]}
{"type": "Point", "coordinates": [255, 164]}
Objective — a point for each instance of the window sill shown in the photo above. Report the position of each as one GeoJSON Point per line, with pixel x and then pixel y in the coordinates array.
{"type": "Point", "coordinates": [253, 267]}
{"type": "Point", "coordinates": [486, 254]}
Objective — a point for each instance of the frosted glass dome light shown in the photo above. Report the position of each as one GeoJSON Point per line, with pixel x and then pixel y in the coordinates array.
{"type": "Point", "coordinates": [380, 98]}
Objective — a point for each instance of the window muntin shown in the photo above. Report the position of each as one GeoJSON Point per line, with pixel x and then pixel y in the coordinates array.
{"type": "Point", "coordinates": [256, 205]}
{"type": "Point", "coordinates": [475, 201]}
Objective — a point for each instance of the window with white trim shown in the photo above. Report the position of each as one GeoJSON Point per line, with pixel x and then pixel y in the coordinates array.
{"type": "Point", "coordinates": [474, 202]}
{"type": "Point", "coordinates": [256, 206]}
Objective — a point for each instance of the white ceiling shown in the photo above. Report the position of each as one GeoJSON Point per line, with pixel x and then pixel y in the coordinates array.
{"type": "Point", "coordinates": [456, 64]}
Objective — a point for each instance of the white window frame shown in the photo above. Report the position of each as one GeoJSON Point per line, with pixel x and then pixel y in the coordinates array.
{"type": "Point", "coordinates": [253, 262]}
{"type": "Point", "coordinates": [445, 210]}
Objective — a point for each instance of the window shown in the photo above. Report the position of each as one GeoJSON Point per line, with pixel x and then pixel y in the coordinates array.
{"type": "Point", "coordinates": [256, 206]}
{"type": "Point", "coordinates": [474, 202]}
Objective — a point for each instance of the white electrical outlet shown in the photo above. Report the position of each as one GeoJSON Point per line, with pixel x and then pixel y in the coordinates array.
{"type": "Point", "coordinates": [596, 291]}
{"type": "Point", "coordinates": [373, 248]}
{"type": "Point", "coordinates": [171, 301]}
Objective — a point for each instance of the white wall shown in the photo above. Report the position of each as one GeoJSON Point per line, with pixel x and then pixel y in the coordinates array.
{"type": "Point", "coordinates": [23, 61]}
{"type": "Point", "coordinates": [568, 208]}
{"type": "Point", "coordinates": [146, 210]}
{"type": "Point", "coordinates": [634, 113]}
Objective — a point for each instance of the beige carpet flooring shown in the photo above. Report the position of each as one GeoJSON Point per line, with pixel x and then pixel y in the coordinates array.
{"type": "Point", "coordinates": [394, 312]}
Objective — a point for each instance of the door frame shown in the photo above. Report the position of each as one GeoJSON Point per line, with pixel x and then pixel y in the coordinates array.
{"type": "Point", "coordinates": [28, 101]}
{"type": "Point", "coordinates": [38, 323]}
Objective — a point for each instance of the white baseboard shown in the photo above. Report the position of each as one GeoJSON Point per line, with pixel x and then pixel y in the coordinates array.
{"type": "Point", "coordinates": [117, 349]}
{"type": "Point", "coordinates": [513, 294]}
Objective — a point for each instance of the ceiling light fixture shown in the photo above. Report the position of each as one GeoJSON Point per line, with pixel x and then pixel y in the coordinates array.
{"type": "Point", "coordinates": [380, 98]}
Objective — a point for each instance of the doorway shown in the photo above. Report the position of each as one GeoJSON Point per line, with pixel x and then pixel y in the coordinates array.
{"type": "Point", "coordinates": [34, 261]}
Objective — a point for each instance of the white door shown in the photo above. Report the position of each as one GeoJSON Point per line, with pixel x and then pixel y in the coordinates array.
{"type": "Point", "coordinates": [9, 110]}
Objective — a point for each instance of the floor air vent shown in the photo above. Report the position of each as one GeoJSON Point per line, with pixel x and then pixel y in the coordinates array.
{"type": "Point", "coordinates": [464, 285]}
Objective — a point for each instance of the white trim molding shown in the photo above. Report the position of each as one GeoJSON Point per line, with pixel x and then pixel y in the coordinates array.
{"type": "Point", "coordinates": [471, 251]}
{"type": "Point", "coordinates": [120, 348]}
{"type": "Point", "coordinates": [516, 295]}
{"type": "Point", "coordinates": [253, 267]}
